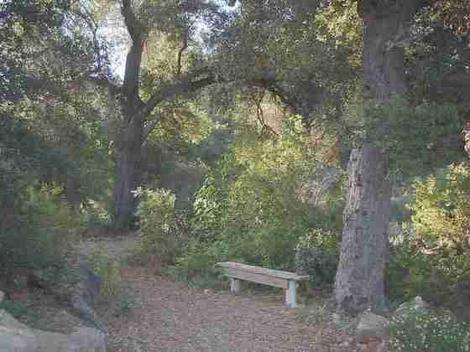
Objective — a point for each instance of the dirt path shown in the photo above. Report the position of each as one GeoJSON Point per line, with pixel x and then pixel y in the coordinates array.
{"type": "Point", "coordinates": [169, 316]}
{"type": "Point", "coordinates": [174, 317]}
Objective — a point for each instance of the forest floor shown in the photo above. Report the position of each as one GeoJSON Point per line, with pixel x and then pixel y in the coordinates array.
{"type": "Point", "coordinates": [174, 317]}
{"type": "Point", "coordinates": [156, 313]}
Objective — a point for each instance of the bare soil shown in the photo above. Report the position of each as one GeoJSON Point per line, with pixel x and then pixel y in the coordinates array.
{"type": "Point", "coordinates": [153, 313]}
{"type": "Point", "coordinates": [174, 317]}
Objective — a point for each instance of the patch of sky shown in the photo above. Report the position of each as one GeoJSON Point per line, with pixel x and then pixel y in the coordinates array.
{"type": "Point", "coordinates": [112, 31]}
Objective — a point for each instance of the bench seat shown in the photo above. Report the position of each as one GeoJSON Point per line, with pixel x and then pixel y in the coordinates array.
{"type": "Point", "coordinates": [276, 278]}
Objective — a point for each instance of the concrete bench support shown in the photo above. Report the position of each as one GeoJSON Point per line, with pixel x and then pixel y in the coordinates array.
{"type": "Point", "coordinates": [291, 294]}
{"type": "Point", "coordinates": [234, 286]}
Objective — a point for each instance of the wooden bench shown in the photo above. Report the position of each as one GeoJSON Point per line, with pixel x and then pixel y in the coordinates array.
{"type": "Point", "coordinates": [283, 279]}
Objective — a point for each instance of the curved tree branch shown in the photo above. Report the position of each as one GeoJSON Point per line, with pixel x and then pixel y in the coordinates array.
{"type": "Point", "coordinates": [180, 87]}
{"type": "Point", "coordinates": [180, 53]}
{"type": "Point", "coordinates": [137, 33]}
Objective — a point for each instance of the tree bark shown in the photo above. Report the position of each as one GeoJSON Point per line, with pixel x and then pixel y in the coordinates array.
{"type": "Point", "coordinates": [128, 178]}
{"type": "Point", "coordinates": [130, 143]}
{"type": "Point", "coordinates": [135, 111]}
{"type": "Point", "coordinates": [72, 190]}
{"type": "Point", "coordinates": [360, 276]}
{"type": "Point", "coordinates": [361, 271]}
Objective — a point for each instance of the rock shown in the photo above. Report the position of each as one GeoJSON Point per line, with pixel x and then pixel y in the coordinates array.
{"type": "Point", "coordinates": [14, 336]}
{"type": "Point", "coordinates": [2, 296]}
{"type": "Point", "coordinates": [373, 332]}
{"type": "Point", "coordinates": [6, 320]}
{"type": "Point", "coordinates": [373, 345]}
{"type": "Point", "coordinates": [80, 296]}
{"type": "Point", "coordinates": [85, 294]}
{"type": "Point", "coordinates": [17, 337]}
{"type": "Point", "coordinates": [84, 339]}
{"type": "Point", "coordinates": [372, 325]}
{"type": "Point", "coordinates": [417, 304]}
{"type": "Point", "coordinates": [90, 283]}
{"type": "Point", "coordinates": [88, 339]}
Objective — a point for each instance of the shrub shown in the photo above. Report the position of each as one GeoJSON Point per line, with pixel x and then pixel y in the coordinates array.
{"type": "Point", "coordinates": [317, 256]}
{"type": "Point", "coordinates": [18, 310]}
{"type": "Point", "coordinates": [254, 201]}
{"type": "Point", "coordinates": [431, 258]}
{"type": "Point", "coordinates": [36, 232]}
{"type": "Point", "coordinates": [158, 228]}
{"type": "Point", "coordinates": [420, 331]}
{"type": "Point", "coordinates": [126, 303]}
{"type": "Point", "coordinates": [197, 265]}
{"type": "Point", "coordinates": [441, 209]}
{"type": "Point", "coordinates": [109, 271]}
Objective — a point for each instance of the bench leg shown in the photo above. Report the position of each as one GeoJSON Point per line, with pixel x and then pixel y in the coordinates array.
{"type": "Point", "coordinates": [234, 285]}
{"type": "Point", "coordinates": [291, 294]}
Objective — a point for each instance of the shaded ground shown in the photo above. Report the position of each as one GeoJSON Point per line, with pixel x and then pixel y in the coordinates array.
{"type": "Point", "coordinates": [174, 317]}
{"type": "Point", "coordinates": [156, 314]}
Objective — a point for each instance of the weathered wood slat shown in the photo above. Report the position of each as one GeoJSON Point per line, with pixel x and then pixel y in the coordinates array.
{"type": "Point", "coordinates": [263, 271]}
{"type": "Point", "coordinates": [258, 278]}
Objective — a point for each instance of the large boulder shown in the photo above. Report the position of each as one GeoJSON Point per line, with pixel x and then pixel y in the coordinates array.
{"type": "Point", "coordinates": [85, 293]}
{"type": "Point", "coordinates": [14, 336]}
{"type": "Point", "coordinates": [80, 295]}
{"type": "Point", "coordinates": [417, 304]}
{"type": "Point", "coordinates": [372, 325]}
{"type": "Point", "coordinates": [372, 332]}
{"type": "Point", "coordinates": [17, 337]}
{"type": "Point", "coordinates": [83, 339]}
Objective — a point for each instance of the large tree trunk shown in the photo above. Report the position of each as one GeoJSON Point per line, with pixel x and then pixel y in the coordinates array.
{"type": "Point", "coordinates": [128, 172]}
{"type": "Point", "coordinates": [360, 278]}
{"type": "Point", "coordinates": [72, 190]}
{"type": "Point", "coordinates": [130, 143]}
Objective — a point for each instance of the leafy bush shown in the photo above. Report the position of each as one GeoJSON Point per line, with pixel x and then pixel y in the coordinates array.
{"type": "Point", "coordinates": [158, 228]}
{"type": "Point", "coordinates": [254, 200]}
{"type": "Point", "coordinates": [36, 232]}
{"type": "Point", "coordinates": [255, 204]}
{"type": "Point", "coordinates": [197, 265]}
{"type": "Point", "coordinates": [431, 258]}
{"type": "Point", "coordinates": [420, 331]}
{"type": "Point", "coordinates": [126, 304]}
{"type": "Point", "coordinates": [109, 271]}
{"type": "Point", "coordinates": [441, 210]}
{"type": "Point", "coordinates": [317, 255]}
{"type": "Point", "coordinates": [18, 310]}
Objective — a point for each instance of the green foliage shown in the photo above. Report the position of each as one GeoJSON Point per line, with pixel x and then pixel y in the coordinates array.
{"type": "Point", "coordinates": [126, 304]}
{"type": "Point", "coordinates": [411, 273]}
{"type": "Point", "coordinates": [158, 228]}
{"type": "Point", "coordinates": [441, 210]}
{"type": "Point", "coordinates": [254, 205]}
{"type": "Point", "coordinates": [16, 309]}
{"type": "Point", "coordinates": [340, 21]}
{"type": "Point", "coordinates": [19, 311]}
{"type": "Point", "coordinates": [109, 271]}
{"type": "Point", "coordinates": [418, 139]}
{"type": "Point", "coordinates": [422, 331]}
{"type": "Point", "coordinates": [431, 259]}
{"type": "Point", "coordinates": [252, 202]}
{"type": "Point", "coordinates": [36, 232]}
{"type": "Point", "coordinates": [317, 255]}
{"type": "Point", "coordinates": [197, 265]}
